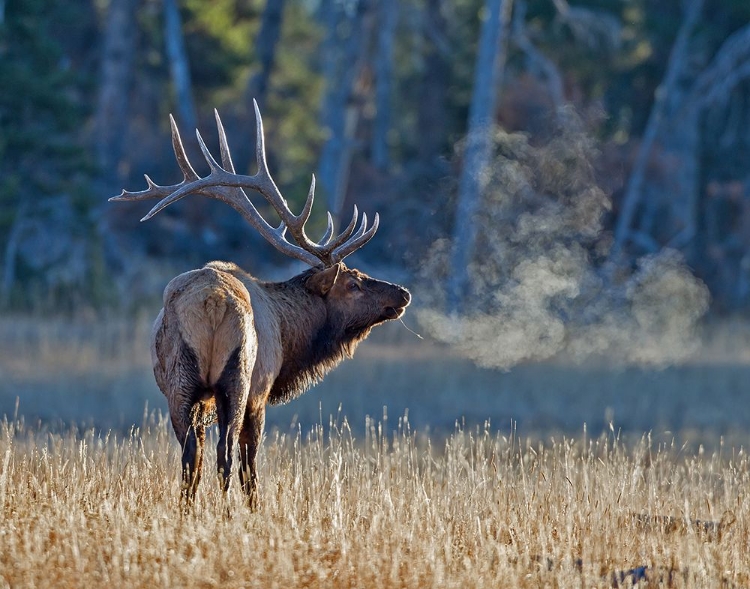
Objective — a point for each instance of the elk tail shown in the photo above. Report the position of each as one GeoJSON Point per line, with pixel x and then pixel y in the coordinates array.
{"type": "Point", "coordinates": [215, 306]}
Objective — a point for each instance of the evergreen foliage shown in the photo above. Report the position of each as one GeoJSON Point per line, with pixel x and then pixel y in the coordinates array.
{"type": "Point", "coordinates": [51, 253]}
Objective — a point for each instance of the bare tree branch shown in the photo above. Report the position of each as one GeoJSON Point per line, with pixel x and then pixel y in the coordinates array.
{"type": "Point", "coordinates": [730, 66]}
{"type": "Point", "coordinates": [597, 29]}
{"type": "Point", "coordinates": [537, 60]}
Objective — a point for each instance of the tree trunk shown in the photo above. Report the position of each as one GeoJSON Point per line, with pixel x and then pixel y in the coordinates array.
{"type": "Point", "coordinates": [473, 181]}
{"type": "Point", "coordinates": [434, 85]}
{"type": "Point", "coordinates": [682, 143]}
{"type": "Point", "coordinates": [344, 53]}
{"type": "Point", "coordinates": [11, 252]}
{"type": "Point", "coordinates": [265, 49]}
{"type": "Point", "coordinates": [387, 19]}
{"type": "Point", "coordinates": [179, 65]}
{"type": "Point", "coordinates": [116, 76]}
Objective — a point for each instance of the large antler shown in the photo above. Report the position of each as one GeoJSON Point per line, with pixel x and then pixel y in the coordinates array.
{"type": "Point", "coordinates": [222, 183]}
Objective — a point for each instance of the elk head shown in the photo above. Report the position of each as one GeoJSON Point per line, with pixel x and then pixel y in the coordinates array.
{"type": "Point", "coordinates": [355, 302]}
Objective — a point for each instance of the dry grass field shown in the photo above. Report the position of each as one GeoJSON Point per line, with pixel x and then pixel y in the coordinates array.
{"type": "Point", "coordinates": [658, 499]}
{"type": "Point", "coordinates": [480, 510]}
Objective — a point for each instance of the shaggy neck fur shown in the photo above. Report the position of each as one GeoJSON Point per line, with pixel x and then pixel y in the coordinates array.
{"type": "Point", "coordinates": [312, 339]}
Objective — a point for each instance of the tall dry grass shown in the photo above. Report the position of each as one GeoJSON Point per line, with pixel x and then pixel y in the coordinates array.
{"type": "Point", "coordinates": [477, 510]}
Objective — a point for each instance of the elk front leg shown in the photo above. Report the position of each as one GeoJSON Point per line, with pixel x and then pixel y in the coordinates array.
{"type": "Point", "coordinates": [250, 439]}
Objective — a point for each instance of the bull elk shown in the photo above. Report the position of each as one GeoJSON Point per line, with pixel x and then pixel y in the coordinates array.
{"type": "Point", "coordinates": [226, 344]}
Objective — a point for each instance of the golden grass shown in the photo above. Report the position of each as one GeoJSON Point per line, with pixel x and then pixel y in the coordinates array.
{"type": "Point", "coordinates": [478, 510]}
{"type": "Point", "coordinates": [343, 509]}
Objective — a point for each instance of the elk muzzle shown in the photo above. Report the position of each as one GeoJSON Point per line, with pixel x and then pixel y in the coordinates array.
{"type": "Point", "coordinates": [401, 298]}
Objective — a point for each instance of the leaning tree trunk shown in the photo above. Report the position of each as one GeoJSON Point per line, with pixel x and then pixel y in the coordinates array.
{"type": "Point", "coordinates": [678, 59]}
{"type": "Point", "coordinates": [473, 181]}
{"type": "Point", "coordinates": [179, 65]}
{"type": "Point", "coordinates": [116, 75]}
{"type": "Point", "coordinates": [713, 87]}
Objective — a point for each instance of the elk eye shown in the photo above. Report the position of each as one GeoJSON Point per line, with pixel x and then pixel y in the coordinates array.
{"type": "Point", "coordinates": [352, 286]}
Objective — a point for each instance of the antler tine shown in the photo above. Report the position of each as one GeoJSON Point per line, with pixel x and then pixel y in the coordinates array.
{"type": "Point", "coordinates": [356, 242]}
{"type": "Point", "coordinates": [362, 228]}
{"type": "Point", "coordinates": [218, 176]}
{"type": "Point", "coordinates": [326, 239]}
{"type": "Point", "coordinates": [226, 157]}
{"type": "Point", "coordinates": [260, 141]}
{"type": "Point", "coordinates": [307, 209]}
{"type": "Point", "coordinates": [266, 185]}
{"type": "Point", "coordinates": [346, 233]}
{"type": "Point", "coordinates": [154, 190]}
{"type": "Point", "coordinates": [210, 160]}
{"type": "Point", "coordinates": [182, 191]}
{"type": "Point", "coordinates": [179, 152]}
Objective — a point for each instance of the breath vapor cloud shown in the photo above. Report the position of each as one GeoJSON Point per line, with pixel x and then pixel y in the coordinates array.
{"type": "Point", "coordinates": [541, 281]}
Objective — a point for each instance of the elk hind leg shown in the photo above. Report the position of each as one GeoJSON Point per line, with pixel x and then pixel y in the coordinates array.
{"type": "Point", "coordinates": [231, 391]}
{"type": "Point", "coordinates": [191, 434]}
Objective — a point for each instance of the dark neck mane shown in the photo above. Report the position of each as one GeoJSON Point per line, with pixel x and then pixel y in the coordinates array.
{"type": "Point", "coordinates": [312, 343]}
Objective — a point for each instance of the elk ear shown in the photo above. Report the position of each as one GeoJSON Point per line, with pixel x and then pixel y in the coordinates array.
{"type": "Point", "coordinates": [321, 282]}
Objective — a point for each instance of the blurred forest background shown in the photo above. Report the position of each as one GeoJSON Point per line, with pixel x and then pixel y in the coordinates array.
{"type": "Point", "coordinates": [603, 132]}
{"type": "Point", "coordinates": [555, 180]}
